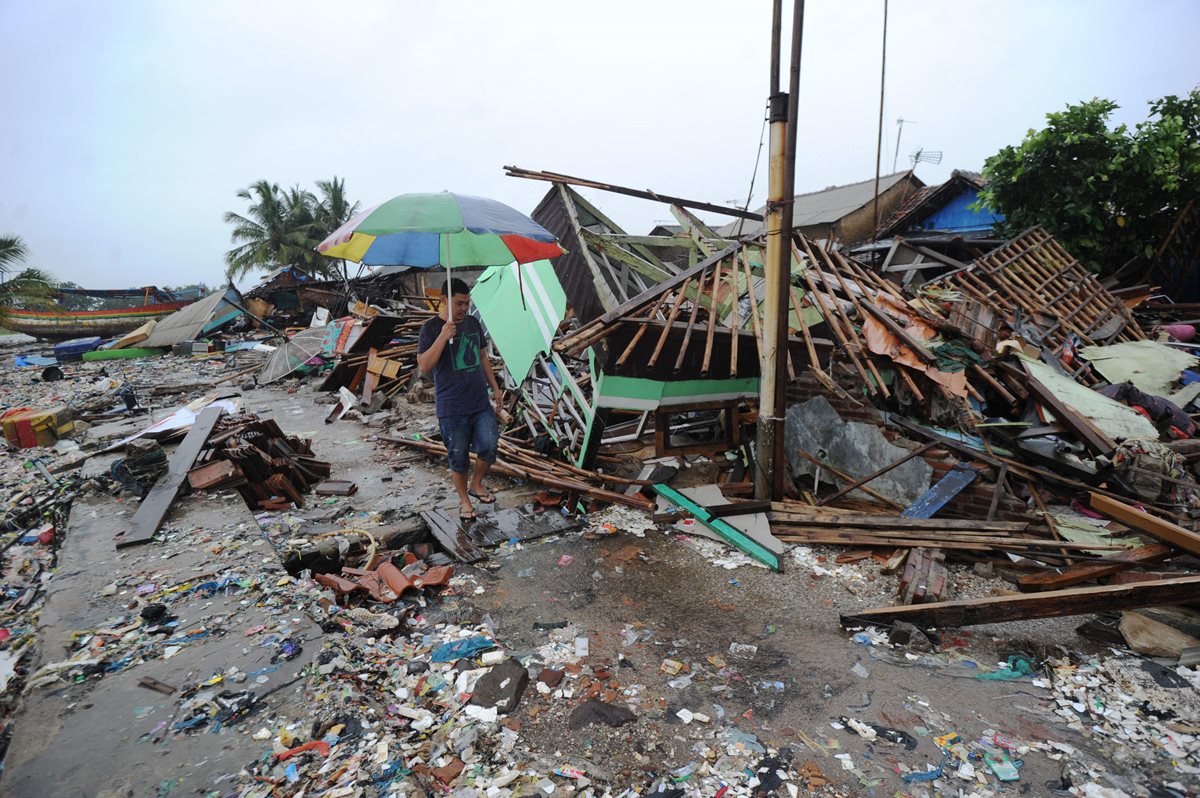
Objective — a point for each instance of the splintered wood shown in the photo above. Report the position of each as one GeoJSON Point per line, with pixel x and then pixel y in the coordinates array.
{"type": "Point", "coordinates": [1034, 274]}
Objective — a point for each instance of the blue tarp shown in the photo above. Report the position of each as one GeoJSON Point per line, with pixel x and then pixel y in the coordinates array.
{"type": "Point", "coordinates": [34, 361]}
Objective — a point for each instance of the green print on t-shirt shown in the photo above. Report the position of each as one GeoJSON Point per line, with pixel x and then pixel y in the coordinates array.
{"type": "Point", "coordinates": [466, 355]}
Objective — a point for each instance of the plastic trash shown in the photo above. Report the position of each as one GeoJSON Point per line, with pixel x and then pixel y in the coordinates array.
{"type": "Point", "coordinates": [449, 652]}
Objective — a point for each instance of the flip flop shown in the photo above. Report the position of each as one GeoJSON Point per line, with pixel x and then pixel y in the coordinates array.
{"type": "Point", "coordinates": [466, 517]}
{"type": "Point", "coordinates": [482, 500]}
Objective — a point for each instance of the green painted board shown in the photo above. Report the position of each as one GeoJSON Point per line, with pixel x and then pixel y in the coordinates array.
{"type": "Point", "coordinates": [522, 307]}
{"type": "Point", "coordinates": [120, 354]}
{"type": "Point", "coordinates": [1113, 418]}
{"type": "Point", "coordinates": [640, 393]}
{"type": "Point", "coordinates": [733, 536]}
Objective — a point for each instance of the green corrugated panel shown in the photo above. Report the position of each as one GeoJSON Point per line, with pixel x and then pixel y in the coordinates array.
{"type": "Point", "coordinates": [521, 311]}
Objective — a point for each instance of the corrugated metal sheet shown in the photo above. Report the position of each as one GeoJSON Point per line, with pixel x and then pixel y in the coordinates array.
{"type": "Point", "coordinates": [572, 268]}
{"type": "Point", "coordinates": [196, 319]}
{"type": "Point", "coordinates": [826, 206]}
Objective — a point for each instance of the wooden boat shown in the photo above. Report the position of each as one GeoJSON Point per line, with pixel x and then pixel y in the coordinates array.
{"type": "Point", "coordinates": [58, 323]}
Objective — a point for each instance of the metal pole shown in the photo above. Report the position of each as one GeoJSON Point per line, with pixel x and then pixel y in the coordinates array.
{"type": "Point", "coordinates": [879, 138]}
{"type": "Point", "coordinates": [764, 478]}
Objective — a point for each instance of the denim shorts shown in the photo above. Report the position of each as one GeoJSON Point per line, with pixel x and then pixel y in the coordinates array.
{"type": "Point", "coordinates": [474, 432]}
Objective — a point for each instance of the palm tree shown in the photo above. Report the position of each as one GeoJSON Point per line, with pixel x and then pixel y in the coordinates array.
{"type": "Point", "coordinates": [334, 209]}
{"type": "Point", "coordinates": [266, 237]}
{"type": "Point", "coordinates": [283, 228]}
{"type": "Point", "coordinates": [12, 250]}
{"type": "Point", "coordinates": [30, 288]}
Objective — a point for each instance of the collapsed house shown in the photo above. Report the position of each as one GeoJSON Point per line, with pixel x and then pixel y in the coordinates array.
{"type": "Point", "coordinates": [940, 407]}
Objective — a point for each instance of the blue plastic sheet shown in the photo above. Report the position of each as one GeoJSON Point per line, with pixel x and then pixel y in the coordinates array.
{"type": "Point", "coordinates": [34, 361]}
{"type": "Point", "coordinates": [449, 652]}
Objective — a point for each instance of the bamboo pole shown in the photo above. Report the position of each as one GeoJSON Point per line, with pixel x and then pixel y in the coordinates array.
{"type": "Point", "coordinates": [662, 338]}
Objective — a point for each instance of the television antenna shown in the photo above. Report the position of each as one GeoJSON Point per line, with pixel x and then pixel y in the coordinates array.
{"type": "Point", "coordinates": [900, 123]}
{"type": "Point", "coordinates": [926, 156]}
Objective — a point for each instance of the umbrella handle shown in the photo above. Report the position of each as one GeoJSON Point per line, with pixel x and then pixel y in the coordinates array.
{"type": "Point", "coordinates": [449, 290]}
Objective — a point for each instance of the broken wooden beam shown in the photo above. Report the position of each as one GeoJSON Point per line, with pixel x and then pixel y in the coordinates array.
{"type": "Point", "coordinates": [1080, 425]}
{"type": "Point", "coordinates": [915, 538]}
{"type": "Point", "coordinates": [847, 478]}
{"type": "Point", "coordinates": [822, 518]}
{"type": "Point", "coordinates": [1087, 572]}
{"type": "Point", "coordinates": [154, 508]}
{"type": "Point", "coordinates": [739, 508]}
{"type": "Point", "coordinates": [858, 483]}
{"type": "Point", "coordinates": [1027, 606]}
{"type": "Point", "coordinates": [924, 578]}
{"type": "Point", "coordinates": [1158, 528]}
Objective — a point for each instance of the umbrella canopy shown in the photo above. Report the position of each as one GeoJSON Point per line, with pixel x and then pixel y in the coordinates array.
{"type": "Point", "coordinates": [443, 229]}
{"type": "Point", "coordinates": [292, 354]}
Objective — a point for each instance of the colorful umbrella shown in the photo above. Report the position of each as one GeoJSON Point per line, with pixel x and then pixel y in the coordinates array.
{"type": "Point", "coordinates": [445, 229]}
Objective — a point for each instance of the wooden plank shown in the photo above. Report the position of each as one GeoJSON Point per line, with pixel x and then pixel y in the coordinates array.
{"type": "Point", "coordinates": [852, 537]}
{"type": "Point", "coordinates": [739, 508]}
{"type": "Point", "coordinates": [1106, 566]}
{"type": "Point", "coordinates": [894, 522]}
{"type": "Point", "coordinates": [1001, 481]}
{"type": "Point", "coordinates": [847, 478]}
{"type": "Point", "coordinates": [453, 537]}
{"type": "Point", "coordinates": [158, 501]}
{"type": "Point", "coordinates": [940, 494]}
{"type": "Point", "coordinates": [1155, 527]}
{"type": "Point", "coordinates": [1023, 607]}
{"type": "Point", "coordinates": [878, 473]}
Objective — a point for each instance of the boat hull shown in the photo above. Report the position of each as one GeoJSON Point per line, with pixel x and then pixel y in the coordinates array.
{"type": "Point", "coordinates": [63, 325]}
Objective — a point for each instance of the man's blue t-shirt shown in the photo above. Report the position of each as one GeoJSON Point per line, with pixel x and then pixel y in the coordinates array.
{"type": "Point", "coordinates": [458, 379]}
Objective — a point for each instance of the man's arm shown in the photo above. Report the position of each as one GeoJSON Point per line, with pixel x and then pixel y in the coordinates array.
{"type": "Point", "coordinates": [429, 358]}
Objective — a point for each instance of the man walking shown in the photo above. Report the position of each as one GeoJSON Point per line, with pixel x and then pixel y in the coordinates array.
{"type": "Point", "coordinates": [451, 350]}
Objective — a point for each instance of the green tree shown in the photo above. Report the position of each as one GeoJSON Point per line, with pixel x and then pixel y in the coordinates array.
{"type": "Point", "coordinates": [333, 210]}
{"type": "Point", "coordinates": [283, 227]}
{"type": "Point", "coordinates": [29, 288]}
{"type": "Point", "coordinates": [1108, 194]}
{"type": "Point", "coordinates": [12, 251]}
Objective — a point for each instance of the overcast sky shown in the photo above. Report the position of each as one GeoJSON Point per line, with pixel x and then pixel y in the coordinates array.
{"type": "Point", "coordinates": [128, 127]}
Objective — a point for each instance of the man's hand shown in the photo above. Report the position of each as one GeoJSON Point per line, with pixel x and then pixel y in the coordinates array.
{"type": "Point", "coordinates": [448, 331]}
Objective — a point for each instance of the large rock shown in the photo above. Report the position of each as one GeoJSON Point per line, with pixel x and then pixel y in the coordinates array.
{"type": "Point", "coordinates": [595, 711]}
{"type": "Point", "coordinates": [853, 448]}
{"type": "Point", "coordinates": [501, 687]}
